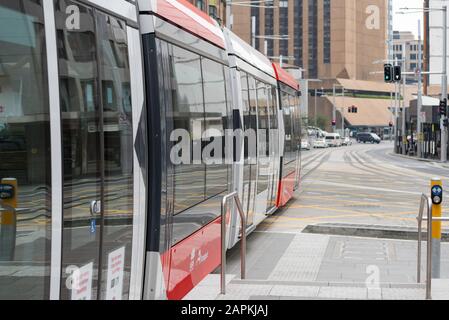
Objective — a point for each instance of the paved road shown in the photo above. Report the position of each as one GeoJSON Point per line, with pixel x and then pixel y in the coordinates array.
{"type": "Point", "coordinates": [360, 184]}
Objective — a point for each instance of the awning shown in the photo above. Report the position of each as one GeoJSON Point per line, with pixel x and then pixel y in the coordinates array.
{"type": "Point", "coordinates": [429, 101]}
{"type": "Point", "coordinates": [371, 112]}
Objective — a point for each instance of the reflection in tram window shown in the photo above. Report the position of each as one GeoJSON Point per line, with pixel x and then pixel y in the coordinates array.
{"type": "Point", "coordinates": [97, 148]}
{"type": "Point", "coordinates": [24, 152]}
{"type": "Point", "coordinates": [216, 123]}
{"type": "Point", "coordinates": [188, 114]}
{"type": "Point", "coordinates": [118, 146]}
{"type": "Point", "coordinates": [80, 140]}
{"type": "Point", "coordinates": [263, 132]}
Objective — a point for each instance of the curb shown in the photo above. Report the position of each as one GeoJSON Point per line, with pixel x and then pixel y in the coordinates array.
{"type": "Point", "coordinates": [380, 232]}
{"type": "Point", "coordinates": [415, 158]}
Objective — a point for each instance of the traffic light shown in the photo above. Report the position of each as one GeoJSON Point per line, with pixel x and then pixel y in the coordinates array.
{"type": "Point", "coordinates": [388, 73]}
{"type": "Point", "coordinates": [443, 108]}
{"type": "Point", "coordinates": [391, 124]}
{"type": "Point", "coordinates": [397, 73]}
{"type": "Point", "coordinates": [334, 123]}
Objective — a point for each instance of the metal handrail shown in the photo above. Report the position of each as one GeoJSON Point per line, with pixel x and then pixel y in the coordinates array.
{"type": "Point", "coordinates": [430, 219]}
{"type": "Point", "coordinates": [224, 207]}
{"type": "Point", "coordinates": [425, 202]}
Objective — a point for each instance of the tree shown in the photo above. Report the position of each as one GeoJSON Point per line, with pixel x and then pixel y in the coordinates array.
{"type": "Point", "coordinates": [322, 122]}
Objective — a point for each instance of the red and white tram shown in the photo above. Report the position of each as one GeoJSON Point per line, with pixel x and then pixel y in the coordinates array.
{"type": "Point", "coordinates": [100, 196]}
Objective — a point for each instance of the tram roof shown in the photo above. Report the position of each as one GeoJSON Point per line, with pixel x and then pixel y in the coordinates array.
{"type": "Point", "coordinates": [241, 49]}
{"type": "Point", "coordinates": [283, 76]}
{"type": "Point", "coordinates": [188, 17]}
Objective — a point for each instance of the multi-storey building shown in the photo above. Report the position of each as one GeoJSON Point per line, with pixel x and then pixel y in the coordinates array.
{"type": "Point", "coordinates": [404, 42]}
{"type": "Point", "coordinates": [327, 38]}
{"type": "Point", "coordinates": [214, 8]}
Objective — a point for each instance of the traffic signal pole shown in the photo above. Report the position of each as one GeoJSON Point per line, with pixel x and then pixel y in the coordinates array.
{"type": "Point", "coordinates": [444, 132]}
{"type": "Point", "coordinates": [334, 110]}
{"type": "Point", "coordinates": [404, 82]}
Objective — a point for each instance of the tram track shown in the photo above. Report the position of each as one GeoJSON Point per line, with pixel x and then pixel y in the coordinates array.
{"type": "Point", "coordinates": [325, 155]}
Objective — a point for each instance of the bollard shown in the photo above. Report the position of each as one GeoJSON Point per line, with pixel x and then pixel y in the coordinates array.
{"type": "Point", "coordinates": [437, 199]}
{"type": "Point", "coordinates": [8, 221]}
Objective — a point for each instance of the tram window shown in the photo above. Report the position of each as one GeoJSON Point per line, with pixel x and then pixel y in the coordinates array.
{"type": "Point", "coordinates": [118, 139]}
{"type": "Point", "coordinates": [215, 124]}
{"type": "Point", "coordinates": [296, 125]}
{"type": "Point", "coordinates": [188, 114]}
{"type": "Point", "coordinates": [287, 127]}
{"type": "Point", "coordinates": [263, 132]}
{"type": "Point", "coordinates": [253, 117]}
{"type": "Point", "coordinates": [246, 115]}
{"type": "Point", "coordinates": [25, 151]}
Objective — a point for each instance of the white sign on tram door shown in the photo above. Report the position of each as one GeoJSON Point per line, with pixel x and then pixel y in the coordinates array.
{"type": "Point", "coordinates": [82, 282]}
{"type": "Point", "coordinates": [116, 266]}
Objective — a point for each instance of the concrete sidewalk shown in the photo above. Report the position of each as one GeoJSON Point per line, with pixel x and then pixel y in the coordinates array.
{"type": "Point", "coordinates": [307, 266]}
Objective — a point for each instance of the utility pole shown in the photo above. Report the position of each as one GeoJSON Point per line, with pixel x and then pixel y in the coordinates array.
{"type": "Point", "coordinates": [419, 106]}
{"type": "Point", "coordinates": [343, 116]}
{"type": "Point", "coordinates": [228, 7]}
{"type": "Point", "coordinates": [404, 83]}
{"type": "Point", "coordinates": [253, 31]}
{"type": "Point", "coordinates": [315, 115]}
{"type": "Point", "coordinates": [426, 45]}
{"type": "Point", "coordinates": [444, 132]}
{"type": "Point", "coordinates": [334, 110]}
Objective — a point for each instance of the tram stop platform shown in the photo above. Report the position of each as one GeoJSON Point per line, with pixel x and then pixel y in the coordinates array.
{"type": "Point", "coordinates": [300, 266]}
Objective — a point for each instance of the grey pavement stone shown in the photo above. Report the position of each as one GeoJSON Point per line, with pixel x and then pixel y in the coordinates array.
{"type": "Point", "coordinates": [295, 291]}
{"type": "Point", "coordinates": [302, 260]}
{"type": "Point", "coordinates": [403, 294]}
{"type": "Point", "coordinates": [343, 293]}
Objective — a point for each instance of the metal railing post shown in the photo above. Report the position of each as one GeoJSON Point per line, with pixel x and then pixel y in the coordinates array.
{"type": "Point", "coordinates": [420, 218]}
{"type": "Point", "coordinates": [243, 239]}
{"type": "Point", "coordinates": [224, 209]}
{"type": "Point", "coordinates": [429, 250]}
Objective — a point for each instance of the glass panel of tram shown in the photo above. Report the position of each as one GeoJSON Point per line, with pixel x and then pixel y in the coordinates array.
{"type": "Point", "coordinates": [250, 152]}
{"type": "Point", "coordinates": [97, 155]}
{"type": "Point", "coordinates": [25, 210]}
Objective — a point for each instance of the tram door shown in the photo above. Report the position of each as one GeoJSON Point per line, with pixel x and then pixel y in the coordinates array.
{"type": "Point", "coordinates": [95, 101]}
{"type": "Point", "coordinates": [274, 150]}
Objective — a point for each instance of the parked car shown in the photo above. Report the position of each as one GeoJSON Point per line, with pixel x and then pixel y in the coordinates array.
{"type": "Point", "coordinates": [321, 143]}
{"type": "Point", "coordinates": [368, 137]}
{"type": "Point", "coordinates": [305, 144]}
{"type": "Point", "coordinates": [333, 140]}
{"type": "Point", "coordinates": [347, 141]}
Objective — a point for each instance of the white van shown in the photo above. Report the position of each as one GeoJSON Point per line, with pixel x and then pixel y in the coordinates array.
{"type": "Point", "coordinates": [333, 140]}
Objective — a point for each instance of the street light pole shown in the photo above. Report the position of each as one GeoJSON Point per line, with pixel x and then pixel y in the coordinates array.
{"type": "Point", "coordinates": [419, 106]}
{"type": "Point", "coordinates": [444, 133]}
{"type": "Point", "coordinates": [396, 88]}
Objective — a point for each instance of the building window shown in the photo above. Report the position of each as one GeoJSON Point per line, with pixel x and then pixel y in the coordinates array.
{"type": "Point", "coordinates": [213, 12]}
{"type": "Point", "coordinates": [200, 4]}
{"type": "Point", "coordinates": [283, 27]}
{"type": "Point", "coordinates": [269, 28]}
{"type": "Point", "coordinates": [413, 56]}
{"type": "Point", "coordinates": [327, 31]}
{"type": "Point", "coordinates": [298, 16]}
{"type": "Point", "coordinates": [313, 39]}
{"type": "Point", "coordinates": [255, 12]}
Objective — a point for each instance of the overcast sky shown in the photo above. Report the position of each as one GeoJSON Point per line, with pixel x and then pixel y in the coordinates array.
{"type": "Point", "coordinates": [407, 22]}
